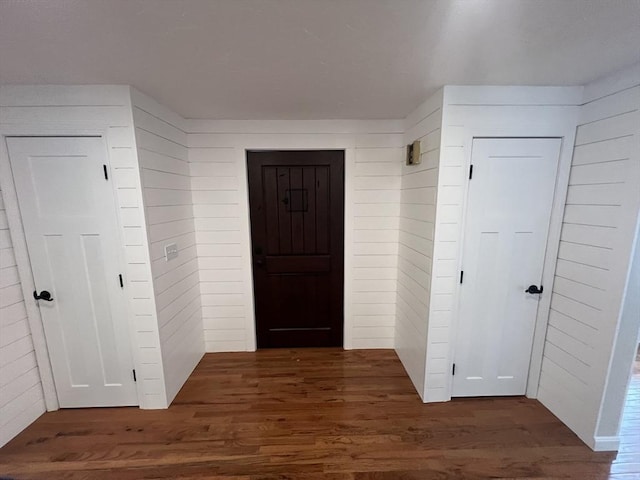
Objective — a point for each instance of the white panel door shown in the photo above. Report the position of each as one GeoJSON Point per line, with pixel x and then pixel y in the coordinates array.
{"type": "Point", "coordinates": [69, 217]}
{"type": "Point", "coordinates": [508, 213]}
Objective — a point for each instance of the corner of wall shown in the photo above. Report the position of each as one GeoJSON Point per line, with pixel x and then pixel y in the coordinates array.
{"type": "Point", "coordinates": [585, 370]}
{"type": "Point", "coordinates": [604, 444]}
{"type": "Point", "coordinates": [161, 146]}
{"type": "Point", "coordinates": [147, 354]}
{"type": "Point", "coordinates": [627, 332]}
{"type": "Point", "coordinates": [419, 188]}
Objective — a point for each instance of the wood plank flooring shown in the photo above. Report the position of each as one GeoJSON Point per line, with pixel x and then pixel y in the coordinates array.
{"type": "Point", "coordinates": [627, 462]}
{"type": "Point", "coordinates": [313, 414]}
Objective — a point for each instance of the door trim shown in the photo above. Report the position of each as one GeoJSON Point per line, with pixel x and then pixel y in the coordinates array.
{"type": "Point", "coordinates": [551, 251]}
{"type": "Point", "coordinates": [21, 252]}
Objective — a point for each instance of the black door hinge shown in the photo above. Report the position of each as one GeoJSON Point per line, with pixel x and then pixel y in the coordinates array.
{"type": "Point", "coordinates": [453, 369]}
{"type": "Point", "coordinates": [461, 275]}
{"type": "Point", "coordinates": [121, 281]}
{"type": "Point", "coordinates": [470, 172]}
{"type": "Point", "coordinates": [134, 375]}
{"type": "Point", "coordinates": [106, 174]}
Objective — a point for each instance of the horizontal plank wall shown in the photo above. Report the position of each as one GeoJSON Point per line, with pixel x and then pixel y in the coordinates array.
{"type": "Point", "coordinates": [598, 232]}
{"type": "Point", "coordinates": [418, 191]}
{"type": "Point", "coordinates": [163, 158]}
{"type": "Point", "coordinates": [470, 112]}
{"type": "Point", "coordinates": [73, 110]}
{"type": "Point", "coordinates": [22, 398]}
{"type": "Point", "coordinates": [374, 254]}
{"type": "Point", "coordinates": [218, 179]}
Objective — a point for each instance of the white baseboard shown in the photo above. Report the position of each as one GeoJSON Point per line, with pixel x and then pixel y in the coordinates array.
{"type": "Point", "coordinates": [606, 444]}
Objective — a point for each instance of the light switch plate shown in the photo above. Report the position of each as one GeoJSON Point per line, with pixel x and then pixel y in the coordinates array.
{"type": "Point", "coordinates": [170, 251]}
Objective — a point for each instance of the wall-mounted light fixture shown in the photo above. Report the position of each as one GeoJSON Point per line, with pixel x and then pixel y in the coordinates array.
{"type": "Point", "coordinates": [413, 153]}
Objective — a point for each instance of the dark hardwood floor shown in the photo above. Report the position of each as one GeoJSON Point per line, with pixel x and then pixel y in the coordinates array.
{"type": "Point", "coordinates": [314, 414]}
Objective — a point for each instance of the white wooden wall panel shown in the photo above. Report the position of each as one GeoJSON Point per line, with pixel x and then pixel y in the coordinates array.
{"type": "Point", "coordinates": [376, 184]}
{"type": "Point", "coordinates": [215, 185]}
{"type": "Point", "coordinates": [219, 185]}
{"type": "Point", "coordinates": [593, 261]}
{"type": "Point", "coordinates": [166, 182]}
{"type": "Point", "coordinates": [126, 175]}
{"type": "Point", "coordinates": [418, 192]}
{"type": "Point", "coordinates": [22, 399]}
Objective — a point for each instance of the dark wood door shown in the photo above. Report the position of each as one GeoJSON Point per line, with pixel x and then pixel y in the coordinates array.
{"type": "Point", "coordinates": [296, 200]}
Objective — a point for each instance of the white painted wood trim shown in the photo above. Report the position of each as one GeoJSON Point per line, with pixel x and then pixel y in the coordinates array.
{"type": "Point", "coordinates": [142, 399]}
{"type": "Point", "coordinates": [294, 127]}
{"type": "Point", "coordinates": [550, 261]}
{"type": "Point", "coordinates": [349, 178]}
{"type": "Point", "coordinates": [251, 339]}
{"type": "Point", "coordinates": [514, 95]}
{"type": "Point", "coordinates": [605, 444]}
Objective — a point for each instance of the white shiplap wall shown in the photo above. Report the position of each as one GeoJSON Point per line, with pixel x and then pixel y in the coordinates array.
{"type": "Point", "coordinates": [73, 110]}
{"type": "Point", "coordinates": [163, 158]}
{"type": "Point", "coordinates": [597, 236]}
{"type": "Point", "coordinates": [21, 398]}
{"type": "Point", "coordinates": [374, 260]}
{"type": "Point", "coordinates": [470, 112]}
{"type": "Point", "coordinates": [415, 243]}
{"type": "Point", "coordinates": [225, 296]}
{"type": "Point", "coordinates": [373, 155]}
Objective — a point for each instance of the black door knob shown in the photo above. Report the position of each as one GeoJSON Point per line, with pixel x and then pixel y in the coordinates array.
{"type": "Point", "coordinates": [534, 289]}
{"type": "Point", "coordinates": [44, 295]}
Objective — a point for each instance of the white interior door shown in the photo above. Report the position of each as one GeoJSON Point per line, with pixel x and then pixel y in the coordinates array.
{"type": "Point", "coordinates": [508, 213]}
{"type": "Point", "coordinates": [69, 218]}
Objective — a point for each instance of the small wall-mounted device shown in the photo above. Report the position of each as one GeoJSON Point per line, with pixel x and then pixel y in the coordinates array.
{"type": "Point", "coordinates": [170, 251]}
{"type": "Point", "coordinates": [413, 153]}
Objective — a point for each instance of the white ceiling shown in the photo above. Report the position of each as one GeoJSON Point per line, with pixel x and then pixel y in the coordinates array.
{"type": "Point", "coordinates": [300, 59]}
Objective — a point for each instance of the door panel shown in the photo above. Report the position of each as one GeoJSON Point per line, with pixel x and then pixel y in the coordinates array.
{"type": "Point", "coordinates": [69, 218]}
{"type": "Point", "coordinates": [297, 217]}
{"type": "Point", "coordinates": [508, 213]}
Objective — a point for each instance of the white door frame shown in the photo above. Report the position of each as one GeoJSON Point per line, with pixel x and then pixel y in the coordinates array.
{"type": "Point", "coordinates": [566, 136]}
{"type": "Point", "coordinates": [21, 252]}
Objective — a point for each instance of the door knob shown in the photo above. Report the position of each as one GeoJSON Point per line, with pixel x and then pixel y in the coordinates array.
{"type": "Point", "coordinates": [44, 295]}
{"type": "Point", "coordinates": [533, 289]}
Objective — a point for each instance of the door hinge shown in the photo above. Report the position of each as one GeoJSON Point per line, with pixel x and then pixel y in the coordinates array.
{"type": "Point", "coordinates": [453, 369]}
{"type": "Point", "coordinates": [461, 275]}
{"type": "Point", "coordinates": [106, 174]}
{"type": "Point", "coordinates": [121, 281]}
{"type": "Point", "coordinates": [134, 375]}
{"type": "Point", "coordinates": [470, 172]}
